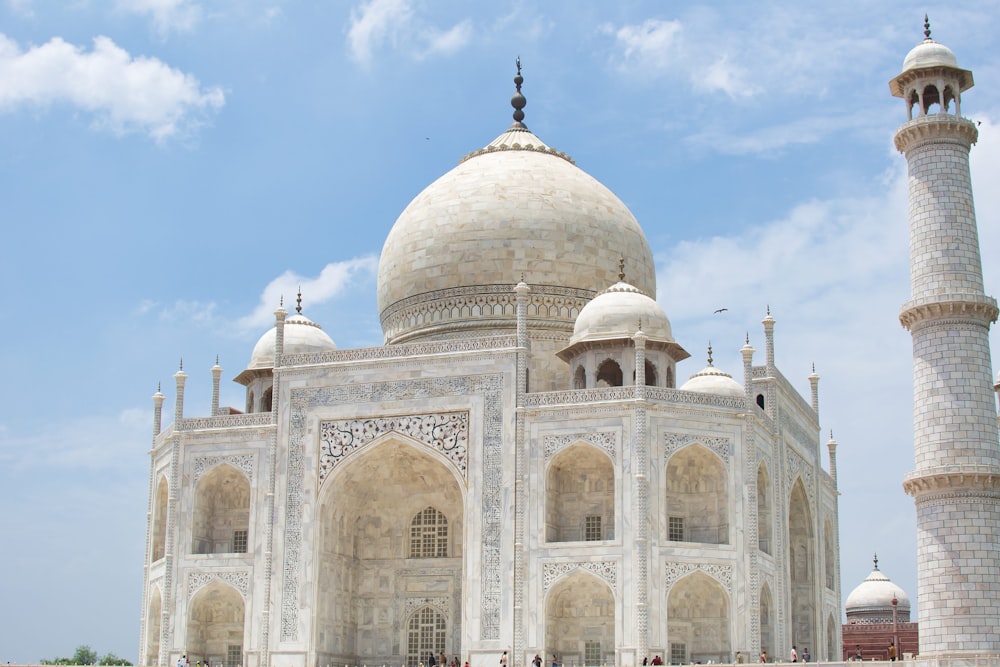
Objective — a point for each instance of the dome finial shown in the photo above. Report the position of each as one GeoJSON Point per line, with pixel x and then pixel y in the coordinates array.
{"type": "Point", "coordinates": [518, 101]}
{"type": "Point", "coordinates": [621, 268]}
{"type": "Point", "coordinates": [298, 301]}
{"type": "Point", "coordinates": [876, 561]}
{"type": "Point", "coordinates": [709, 353]}
{"type": "Point", "coordinates": [927, 27]}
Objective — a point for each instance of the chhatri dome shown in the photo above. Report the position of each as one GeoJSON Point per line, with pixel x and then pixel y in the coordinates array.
{"type": "Point", "coordinates": [516, 207]}
{"type": "Point", "coordinates": [302, 336]}
{"type": "Point", "coordinates": [617, 312]}
{"type": "Point", "coordinates": [871, 601]}
{"type": "Point", "coordinates": [711, 380]}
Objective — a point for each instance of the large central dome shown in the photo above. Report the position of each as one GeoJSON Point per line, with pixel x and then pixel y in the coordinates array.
{"type": "Point", "coordinates": [516, 207]}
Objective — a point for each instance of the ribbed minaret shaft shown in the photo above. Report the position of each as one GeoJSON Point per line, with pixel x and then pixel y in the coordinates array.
{"type": "Point", "coordinates": [216, 376]}
{"type": "Point", "coordinates": [956, 480]}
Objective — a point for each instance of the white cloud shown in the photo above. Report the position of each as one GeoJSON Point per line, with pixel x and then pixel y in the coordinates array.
{"type": "Point", "coordinates": [168, 15]}
{"type": "Point", "coordinates": [394, 23]}
{"type": "Point", "coordinates": [330, 282]}
{"type": "Point", "coordinates": [712, 53]}
{"type": "Point", "coordinates": [22, 8]}
{"type": "Point", "coordinates": [124, 93]}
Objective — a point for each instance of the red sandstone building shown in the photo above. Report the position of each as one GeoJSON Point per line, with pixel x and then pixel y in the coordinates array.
{"type": "Point", "coordinates": [878, 615]}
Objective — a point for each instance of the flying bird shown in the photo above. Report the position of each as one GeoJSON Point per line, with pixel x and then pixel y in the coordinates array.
{"type": "Point", "coordinates": [721, 310]}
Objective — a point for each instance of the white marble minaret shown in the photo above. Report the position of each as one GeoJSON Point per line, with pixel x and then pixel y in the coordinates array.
{"type": "Point", "coordinates": [956, 481]}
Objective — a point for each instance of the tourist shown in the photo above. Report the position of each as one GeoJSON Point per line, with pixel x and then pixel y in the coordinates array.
{"type": "Point", "coordinates": [892, 652]}
{"type": "Point", "coordinates": [763, 655]}
{"type": "Point", "coordinates": [794, 656]}
{"type": "Point", "coordinates": [503, 659]}
{"type": "Point", "coordinates": [739, 658]}
{"type": "Point", "coordinates": [805, 654]}
{"type": "Point", "coordinates": [857, 654]}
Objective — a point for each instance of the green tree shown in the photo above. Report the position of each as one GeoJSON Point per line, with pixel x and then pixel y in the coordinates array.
{"type": "Point", "coordinates": [84, 656]}
{"type": "Point", "coordinates": [112, 659]}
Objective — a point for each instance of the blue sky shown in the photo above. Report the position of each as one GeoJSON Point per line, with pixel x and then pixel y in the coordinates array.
{"type": "Point", "coordinates": [168, 168]}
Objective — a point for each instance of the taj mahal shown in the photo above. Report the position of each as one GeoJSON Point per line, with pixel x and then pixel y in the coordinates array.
{"type": "Point", "coordinates": [526, 467]}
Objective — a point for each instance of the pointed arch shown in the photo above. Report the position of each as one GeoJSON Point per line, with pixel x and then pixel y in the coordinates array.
{"type": "Point", "coordinates": [216, 625]}
{"type": "Point", "coordinates": [580, 495]}
{"type": "Point", "coordinates": [154, 612]}
{"type": "Point", "coordinates": [580, 378]}
{"type": "Point", "coordinates": [801, 566]}
{"type": "Point", "coordinates": [651, 373]}
{"type": "Point", "coordinates": [580, 620]}
{"type": "Point", "coordinates": [609, 374]}
{"type": "Point", "coordinates": [369, 506]}
{"type": "Point", "coordinates": [668, 378]}
{"type": "Point", "coordinates": [698, 621]}
{"type": "Point", "coordinates": [767, 620]}
{"type": "Point", "coordinates": [765, 514]}
{"type": "Point", "coordinates": [159, 519]}
{"type": "Point", "coordinates": [221, 514]}
{"type": "Point", "coordinates": [697, 496]}
{"type": "Point", "coordinates": [426, 634]}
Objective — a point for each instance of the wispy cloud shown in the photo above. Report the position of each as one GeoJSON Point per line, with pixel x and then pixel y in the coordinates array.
{"type": "Point", "coordinates": [124, 93]}
{"type": "Point", "coordinates": [85, 444]}
{"type": "Point", "coordinates": [330, 282]}
{"type": "Point", "coordinates": [709, 54]}
{"type": "Point", "coordinates": [395, 24]}
{"type": "Point", "coordinates": [168, 15]}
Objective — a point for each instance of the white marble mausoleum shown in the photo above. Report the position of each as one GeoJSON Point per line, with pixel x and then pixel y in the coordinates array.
{"type": "Point", "coordinates": [523, 466]}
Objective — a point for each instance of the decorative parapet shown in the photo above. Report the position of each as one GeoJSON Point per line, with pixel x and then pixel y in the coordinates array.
{"type": "Point", "coordinates": [964, 307]}
{"type": "Point", "coordinates": [953, 479]}
{"type": "Point", "coordinates": [939, 127]}
{"type": "Point", "coordinates": [628, 393]}
{"type": "Point", "coordinates": [398, 351]}
{"type": "Point", "coordinates": [251, 419]}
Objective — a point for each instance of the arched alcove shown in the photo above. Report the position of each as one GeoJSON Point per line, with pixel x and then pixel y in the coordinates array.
{"type": "Point", "coordinates": [154, 611]}
{"type": "Point", "coordinates": [580, 621]}
{"type": "Point", "coordinates": [829, 556]}
{"type": "Point", "coordinates": [651, 374]}
{"type": "Point", "coordinates": [765, 516]}
{"type": "Point", "coordinates": [580, 495]}
{"type": "Point", "coordinates": [609, 374]}
{"type": "Point", "coordinates": [221, 516]}
{"type": "Point", "coordinates": [697, 497]}
{"type": "Point", "coordinates": [831, 640]}
{"type": "Point", "coordinates": [698, 624]}
{"type": "Point", "coordinates": [390, 533]}
{"type": "Point", "coordinates": [767, 621]}
{"type": "Point", "coordinates": [802, 566]}
{"type": "Point", "coordinates": [159, 520]}
{"type": "Point", "coordinates": [580, 378]}
{"type": "Point", "coordinates": [216, 626]}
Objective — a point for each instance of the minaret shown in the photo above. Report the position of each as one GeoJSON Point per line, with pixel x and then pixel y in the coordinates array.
{"type": "Point", "coordinates": [956, 480]}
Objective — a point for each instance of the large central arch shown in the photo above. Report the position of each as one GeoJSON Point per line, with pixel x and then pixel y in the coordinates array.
{"type": "Point", "coordinates": [802, 567]}
{"type": "Point", "coordinates": [698, 621]}
{"type": "Point", "coordinates": [389, 555]}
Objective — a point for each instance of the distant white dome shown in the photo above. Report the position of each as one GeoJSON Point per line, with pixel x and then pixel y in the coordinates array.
{"type": "Point", "coordinates": [710, 380]}
{"type": "Point", "coordinates": [302, 336]}
{"type": "Point", "coordinates": [618, 312]}
{"type": "Point", "coordinates": [871, 601]}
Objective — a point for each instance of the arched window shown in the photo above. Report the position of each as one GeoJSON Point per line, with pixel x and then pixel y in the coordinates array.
{"type": "Point", "coordinates": [580, 378]}
{"type": "Point", "coordinates": [668, 380]}
{"type": "Point", "coordinates": [429, 534]}
{"type": "Point", "coordinates": [650, 374]}
{"type": "Point", "coordinates": [425, 635]}
{"type": "Point", "coordinates": [760, 401]}
{"type": "Point", "coordinates": [265, 401]}
{"type": "Point", "coordinates": [609, 374]}
{"type": "Point", "coordinates": [250, 401]}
